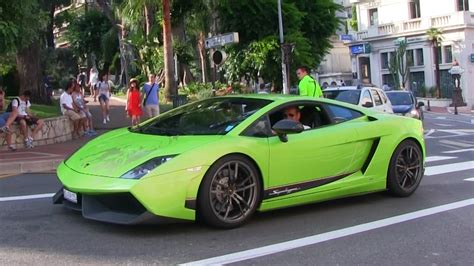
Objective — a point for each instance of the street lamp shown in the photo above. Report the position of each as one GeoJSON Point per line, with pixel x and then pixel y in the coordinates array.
{"type": "Point", "coordinates": [286, 90]}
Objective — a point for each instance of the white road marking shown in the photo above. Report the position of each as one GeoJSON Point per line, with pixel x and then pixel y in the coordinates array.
{"type": "Point", "coordinates": [443, 125]}
{"type": "Point", "coordinates": [456, 143]}
{"type": "Point", "coordinates": [458, 151]}
{"type": "Point", "coordinates": [448, 168]}
{"type": "Point", "coordinates": [440, 117]}
{"type": "Point", "coordinates": [438, 158]}
{"type": "Point", "coordinates": [472, 121]}
{"type": "Point", "coordinates": [431, 131]}
{"type": "Point", "coordinates": [469, 179]}
{"type": "Point", "coordinates": [27, 197]}
{"type": "Point", "coordinates": [459, 132]}
{"type": "Point", "coordinates": [315, 239]}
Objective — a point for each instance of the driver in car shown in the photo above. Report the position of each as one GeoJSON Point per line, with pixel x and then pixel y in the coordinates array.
{"type": "Point", "coordinates": [293, 113]}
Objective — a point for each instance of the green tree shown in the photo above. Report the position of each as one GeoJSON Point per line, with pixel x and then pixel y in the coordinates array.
{"type": "Point", "coordinates": [353, 22]}
{"type": "Point", "coordinates": [398, 65]}
{"type": "Point", "coordinates": [435, 36]}
{"type": "Point", "coordinates": [21, 25]}
{"type": "Point", "coordinates": [308, 25]}
{"type": "Point", "coordinates": [91, 33]}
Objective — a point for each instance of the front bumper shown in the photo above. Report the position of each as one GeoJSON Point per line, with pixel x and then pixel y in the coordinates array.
{"type": "Point", "coordinates": [118, 208]}
{"type": "Point", "coordinates": [125, 201]}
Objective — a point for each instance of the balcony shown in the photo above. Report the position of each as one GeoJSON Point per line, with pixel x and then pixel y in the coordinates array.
{"type": "Point", "coordinates": [416, 25]}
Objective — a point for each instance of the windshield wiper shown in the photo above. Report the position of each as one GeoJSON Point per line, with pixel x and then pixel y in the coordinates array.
{"type": "Point", "coordinates": [161, 131]}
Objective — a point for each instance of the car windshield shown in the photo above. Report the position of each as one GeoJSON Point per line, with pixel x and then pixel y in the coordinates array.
{"type": "Point", "coordinates": [348, 96]}
{"type": "Point", "coordinates": [216, 116]}
{"type": "Point", "coordinates": [400, 98]}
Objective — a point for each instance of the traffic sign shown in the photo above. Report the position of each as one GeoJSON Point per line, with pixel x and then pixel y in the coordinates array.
{"type": "Point", "coordinates": [220, 40]}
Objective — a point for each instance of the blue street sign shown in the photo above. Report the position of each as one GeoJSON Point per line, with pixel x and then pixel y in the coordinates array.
{"type": "Point", "coordinates": [357, 49]}
{"type": "Point", "coordinates": [345, 37]}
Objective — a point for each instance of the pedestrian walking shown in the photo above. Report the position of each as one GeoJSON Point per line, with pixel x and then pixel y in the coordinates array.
{"type": "Point", "coordinates": [104, 88]}
{"type": "Point", "coordinates": [82, 79]}
{"type": "Point", "coordinates": [93, 80]}
{"type": "Point", "coordinates": [308, 86]}
{"type": "Point", "coordinates": [133, 106]}
{"type": "Point", "coordinates": [150, 97]}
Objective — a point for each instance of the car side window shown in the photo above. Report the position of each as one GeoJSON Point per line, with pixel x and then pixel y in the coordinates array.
{"type": "Point", "coordinates": [341, 114]}
{"type": "Point", "coordinates": [377, 98]}
{"type": "Point", "coordinates": [366, 99]}
{"type": "Point", "coordinates": [384, 96]}
{"type": "Point", "coordinates": [260, 128]}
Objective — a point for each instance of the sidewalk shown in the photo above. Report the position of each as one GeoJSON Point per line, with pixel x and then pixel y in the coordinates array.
{"type": "Point", "coordinates": [462, 110]}
{"type": "Point", "coordinates": [46, 158]}
{"type": "Point", "coordinates": [40, 159]}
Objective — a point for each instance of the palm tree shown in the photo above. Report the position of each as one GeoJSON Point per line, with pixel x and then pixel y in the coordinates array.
{"type": "Point", "coordinates": [170, 84]}
{"type": "Point", "coordinates": [435, 36]}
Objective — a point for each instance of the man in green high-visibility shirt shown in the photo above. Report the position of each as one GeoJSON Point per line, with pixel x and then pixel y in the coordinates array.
{"type": "Point", "coordinates": [308, 86]}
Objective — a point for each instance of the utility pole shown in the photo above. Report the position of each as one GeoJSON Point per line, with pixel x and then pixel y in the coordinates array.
{"type": "Point", "coordinates": [286, 90]}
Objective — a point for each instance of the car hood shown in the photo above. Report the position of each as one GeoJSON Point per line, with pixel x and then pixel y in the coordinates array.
{"type": "Point", "coordinates": [402, 108]}
{"type": "Point", "coordinates": [115, 153]}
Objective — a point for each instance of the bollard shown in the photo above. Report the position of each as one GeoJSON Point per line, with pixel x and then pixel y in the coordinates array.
{"type": "Point", "coordinates": [455, 108]}
{"type": "Point", "coordinates": [429, 107]}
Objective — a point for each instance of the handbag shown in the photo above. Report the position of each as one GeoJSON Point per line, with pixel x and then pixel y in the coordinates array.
{"type": "Point", "coordinates": [148, 94]}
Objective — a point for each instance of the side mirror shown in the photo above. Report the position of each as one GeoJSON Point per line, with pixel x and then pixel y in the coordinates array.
{"type": "Point", "coordinates": [420, 104]}
{"type": "Point", "coordinates": [368, 104]}
{"type": "Point", "coordinates": [287, 126]}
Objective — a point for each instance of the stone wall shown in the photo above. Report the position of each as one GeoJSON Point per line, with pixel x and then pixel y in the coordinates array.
{"type": "Point", "coordinates": [55, 130]}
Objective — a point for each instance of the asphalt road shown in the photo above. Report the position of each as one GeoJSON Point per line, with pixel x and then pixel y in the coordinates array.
{"type": "Point", "coordinates": [435, 226]}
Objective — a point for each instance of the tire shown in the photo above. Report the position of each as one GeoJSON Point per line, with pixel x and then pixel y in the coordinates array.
{"type": "Point", "coordinates": [405, 170]}
{"type": "Point", "coordinates": [228, 198]}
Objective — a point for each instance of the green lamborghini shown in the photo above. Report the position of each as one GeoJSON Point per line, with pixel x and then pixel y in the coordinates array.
{"type": "Point", "coordinates": [221, 159]}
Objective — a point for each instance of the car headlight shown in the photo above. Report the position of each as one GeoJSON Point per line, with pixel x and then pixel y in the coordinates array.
{"type": "Point", "coordinates": [413, 113]}
{"type": "Point", "coordinates": [146, 167]}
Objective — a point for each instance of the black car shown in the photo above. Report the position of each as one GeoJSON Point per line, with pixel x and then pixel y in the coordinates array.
{"type": "Point", "coordinates": [405, 103]}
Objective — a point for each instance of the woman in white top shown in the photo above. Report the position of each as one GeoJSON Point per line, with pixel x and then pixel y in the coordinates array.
{"type": "Point", "coordinates": [103, 87]}
{"type": "Point", "coordinates": [93, 79]}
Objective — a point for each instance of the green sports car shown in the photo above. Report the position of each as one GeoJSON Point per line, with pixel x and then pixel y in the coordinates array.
{"type": "Point", "coordinates": [221, 159]}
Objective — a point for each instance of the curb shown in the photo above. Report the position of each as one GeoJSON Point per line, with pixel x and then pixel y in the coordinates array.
{"type": "Point", "coordinates": [30, 167]}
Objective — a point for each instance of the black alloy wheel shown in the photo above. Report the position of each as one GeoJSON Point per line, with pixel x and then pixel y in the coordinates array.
{"type": "Point", "coordinates": [230, 192]}
{"type": "Point", "coordinates": [405, 170]}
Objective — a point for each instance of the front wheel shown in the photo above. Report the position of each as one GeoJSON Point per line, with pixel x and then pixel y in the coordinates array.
{"type": "Point", "coordinates": [229, 193]}
{"type": "Point", "coordinates": [405, 170]}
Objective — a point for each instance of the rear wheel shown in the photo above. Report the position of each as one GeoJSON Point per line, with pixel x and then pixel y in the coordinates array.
{"type": "Point", "coordinates": [229, 193]}
{"type": "Point", "coordinates": [405, 170]}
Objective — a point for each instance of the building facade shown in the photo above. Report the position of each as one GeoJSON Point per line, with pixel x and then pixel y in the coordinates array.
{"type": "Point", "coordinates": [382, 24]}
{"type": "Point", "coordinates": [336, 65]}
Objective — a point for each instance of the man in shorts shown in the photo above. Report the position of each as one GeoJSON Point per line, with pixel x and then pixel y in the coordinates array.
{"type": "Point", "coordinates": [25, 118]}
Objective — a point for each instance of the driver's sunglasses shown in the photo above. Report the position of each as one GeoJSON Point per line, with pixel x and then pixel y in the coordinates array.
{"type": "Point", "coordinates": [289, 114]}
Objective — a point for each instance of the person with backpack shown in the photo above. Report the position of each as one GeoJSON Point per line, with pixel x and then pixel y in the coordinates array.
{"type": "Point", "coordinates": [21, 105]}
{"type": "Point", "coordinates": [308, 86]}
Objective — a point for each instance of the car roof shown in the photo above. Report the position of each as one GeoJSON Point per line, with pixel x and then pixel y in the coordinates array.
{"type": "Point", "coordinates": [400, 91]}
{"type": "Point", "coordinates": [348, 88]}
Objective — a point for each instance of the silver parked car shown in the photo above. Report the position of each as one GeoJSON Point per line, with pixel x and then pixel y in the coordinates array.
{"type": "Point", "coordinates": [366, 96]}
